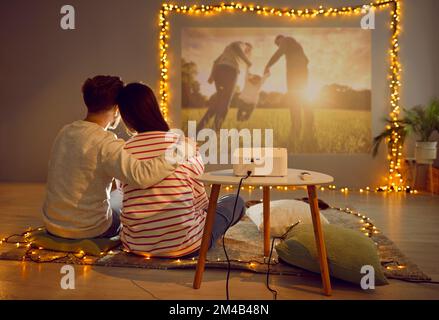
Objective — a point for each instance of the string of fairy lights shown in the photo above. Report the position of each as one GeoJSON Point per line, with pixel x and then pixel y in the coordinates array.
{"type": "Point", "coordinates": [394, 179]}
{"type": "Point", "coordinates": [38, 254]}
{"type": "Point", "coordinates": [331, 187]}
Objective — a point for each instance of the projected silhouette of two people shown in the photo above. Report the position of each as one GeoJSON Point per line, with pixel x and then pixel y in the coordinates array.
{"type": "Point", "coordinates": [224, 76]}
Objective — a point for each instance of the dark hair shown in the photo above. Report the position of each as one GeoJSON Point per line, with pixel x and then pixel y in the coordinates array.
{"type": "Point", "coordinates": [279, 36]}
{"type": "Point", "coordinates": [139, 109]}
{"type": "Point", "coordinates": [100, 93]}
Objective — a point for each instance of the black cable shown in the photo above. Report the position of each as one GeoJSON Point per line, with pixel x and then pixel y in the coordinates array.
{"type": "Point", "coordinates": [267, 282]}
{"type": "Point", "coordinates": [146, 290]}
{"type": "Point", "coordinates": [282, 237]}
{"type": "Point", "coordinates": [228, 226]}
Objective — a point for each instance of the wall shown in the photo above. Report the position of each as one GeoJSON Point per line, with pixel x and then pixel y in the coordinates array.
{"type": "Point", "coordinates": [42, 69]}
{"type": "Point", "coordinates": [436, 66]}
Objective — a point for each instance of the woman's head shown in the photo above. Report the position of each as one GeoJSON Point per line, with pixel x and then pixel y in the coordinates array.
{"type": "Point", "coordinates": [139, 109]}
{"type": "Point", "coordinates": [248, 49]}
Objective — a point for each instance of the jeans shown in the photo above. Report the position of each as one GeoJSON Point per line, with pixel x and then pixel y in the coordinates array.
{"type": "Point", "coordinates": [224, 215]}
{"type": "Point", "coordinates": [225, 78]}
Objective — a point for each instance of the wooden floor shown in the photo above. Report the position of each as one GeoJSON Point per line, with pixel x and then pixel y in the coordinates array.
{"type": "Point", "coordinates": [411, 221]}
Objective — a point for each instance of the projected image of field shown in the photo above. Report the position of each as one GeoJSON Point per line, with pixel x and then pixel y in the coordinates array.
{"type": "Point", "coordinates": [337, 131]}
{"type": "Point", "coordinates": [311, 86]}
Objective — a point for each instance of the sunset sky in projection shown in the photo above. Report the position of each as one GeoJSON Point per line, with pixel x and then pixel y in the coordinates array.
{"type": "Point", "coordinates": [336, 55]}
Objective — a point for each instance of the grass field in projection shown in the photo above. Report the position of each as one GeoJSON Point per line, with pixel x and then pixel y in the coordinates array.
{"type": "Point", "coordinates": [336, 130]}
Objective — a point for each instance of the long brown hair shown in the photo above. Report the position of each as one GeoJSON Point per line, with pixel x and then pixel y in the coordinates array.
{"type": "Point", "coordinates": [139, 109]}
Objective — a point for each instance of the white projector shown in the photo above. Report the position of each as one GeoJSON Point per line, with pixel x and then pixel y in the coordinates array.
{"type": "Point", "coordinates": [262, 162]}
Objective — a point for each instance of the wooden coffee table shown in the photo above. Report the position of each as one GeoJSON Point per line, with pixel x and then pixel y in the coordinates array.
{"type": "Point", "coordinates": [226, 177]}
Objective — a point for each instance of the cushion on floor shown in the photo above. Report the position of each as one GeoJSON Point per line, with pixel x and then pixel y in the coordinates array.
{"type": "Point", "coordinates": [347, 250]}
{"type": "Point", "coordinates": [283, 213]}
{"type": "Point", "coordinates": [94, 246]}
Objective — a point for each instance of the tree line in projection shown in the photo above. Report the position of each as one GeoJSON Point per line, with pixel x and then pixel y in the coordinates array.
{"type": "Point", "coordinates": [333, 96]}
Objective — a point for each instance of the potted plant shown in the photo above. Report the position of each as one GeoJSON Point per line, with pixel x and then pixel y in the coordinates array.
{"type": "Point", "coordinates": [424, 122]}
{"type": "Point", "coordinates": [420, 120]}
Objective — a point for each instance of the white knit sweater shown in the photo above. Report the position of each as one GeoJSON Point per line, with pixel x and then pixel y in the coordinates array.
{"type": "Point", "coordinates": [84, 160]}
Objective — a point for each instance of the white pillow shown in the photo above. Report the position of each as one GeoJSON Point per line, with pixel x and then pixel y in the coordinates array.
{"type": "Point", "coordinates": [283, 213]}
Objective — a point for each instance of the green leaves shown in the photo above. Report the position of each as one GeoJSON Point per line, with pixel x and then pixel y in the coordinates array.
{"type": "Point", "coordinates": [422, 121]}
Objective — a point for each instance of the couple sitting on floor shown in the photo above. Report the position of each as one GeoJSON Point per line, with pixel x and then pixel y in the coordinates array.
{"type": "Point", "coordinates": [158, 206]}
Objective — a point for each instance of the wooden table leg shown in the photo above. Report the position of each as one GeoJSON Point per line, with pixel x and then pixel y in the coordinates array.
{"type": "Point", "coordinates": [266, 210]}
{"type": "Point", "coordinates": [207, 233]}
{"type": "Point", "coordinates": [320, 240]}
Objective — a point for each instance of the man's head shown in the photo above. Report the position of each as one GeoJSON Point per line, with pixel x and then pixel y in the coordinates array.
{"type": "Point", "coordinates": [279, 39]}
{"type": "Point", "coordinates": [100, 93]}
{"type": "Point", "coordinates": [100, 96]}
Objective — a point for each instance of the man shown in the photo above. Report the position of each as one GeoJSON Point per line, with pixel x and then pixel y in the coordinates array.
{"type": "Point", "coordinates": [297, 81]}
{"type": "Point", "coordinates": [85, 158]}
{"type": "Point", "coordinates": [224, 74]}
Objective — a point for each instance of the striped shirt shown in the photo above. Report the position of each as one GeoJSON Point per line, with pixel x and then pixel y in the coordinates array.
{"type": "Point", "coordinates": [166, 219]}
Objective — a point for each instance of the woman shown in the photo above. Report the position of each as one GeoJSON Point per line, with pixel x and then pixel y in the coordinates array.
{"type": "Point", "coordinates": [167, 219]}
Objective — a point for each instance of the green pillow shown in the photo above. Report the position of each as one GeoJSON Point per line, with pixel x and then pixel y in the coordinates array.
{"type": "Point", "coordinates": [347, 250]}
{"type": "Point", "coordinates": [93, 247]}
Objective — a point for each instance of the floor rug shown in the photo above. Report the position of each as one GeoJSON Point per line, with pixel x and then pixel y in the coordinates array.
{"type": "Point", "coordinates": [244, 246]}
